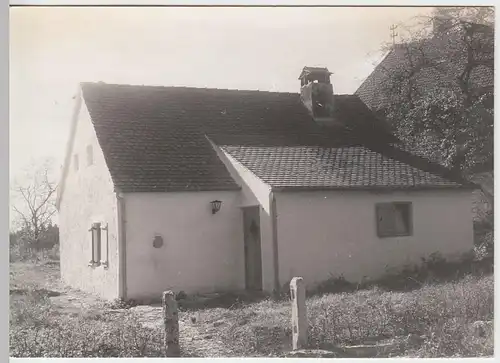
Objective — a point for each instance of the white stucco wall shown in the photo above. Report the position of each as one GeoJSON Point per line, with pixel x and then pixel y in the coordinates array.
{"type": "Point", "coordinates": [202, 252]}
{"type": "Point", "coordinates": [88, 197]}
{"type": "Point", "coordinates": [331, 233]}
{"type": "Point", "coordinates": [255, 192]}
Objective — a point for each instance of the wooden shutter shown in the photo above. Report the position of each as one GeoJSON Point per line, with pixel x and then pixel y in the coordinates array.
{"type": "Point", "coordinates": [385, 221]}
{"type": "Point", "coordinates": [394, 219]}
{"type": "Point", "coordinates": [96, 242]}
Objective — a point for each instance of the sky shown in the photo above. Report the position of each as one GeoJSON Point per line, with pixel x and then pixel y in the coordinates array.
{"type": "Point", "coordinates": [52, 49]}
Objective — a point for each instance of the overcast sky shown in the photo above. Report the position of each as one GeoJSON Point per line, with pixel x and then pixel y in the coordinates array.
{"type": "Point", "coordinates": [53, 49]}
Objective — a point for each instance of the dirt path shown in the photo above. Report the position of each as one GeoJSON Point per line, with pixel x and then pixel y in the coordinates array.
{"type": "Point", "coordinates": [45, 278]}
{"type": "Point", "coordinates": [198, 337]}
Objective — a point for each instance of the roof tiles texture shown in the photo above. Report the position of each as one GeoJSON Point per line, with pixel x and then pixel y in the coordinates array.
{"type": "Point", "coordinates": [336, 168]}
{"type": "Point", "coordinates": [156, 139]}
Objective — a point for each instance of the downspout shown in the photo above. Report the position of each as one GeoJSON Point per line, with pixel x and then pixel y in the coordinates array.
{"type": "Point", "coordinates": [122, 255]}
{"type": "Point", "coordinates": [274, 225]}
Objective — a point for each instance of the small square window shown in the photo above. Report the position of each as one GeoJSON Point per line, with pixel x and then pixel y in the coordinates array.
{"type": "Point", "coordinates": [75, 162]}
{"type": "Point", "coordinates": [90, 156]}
{"type": "Point", "coordinates": [394, 219]}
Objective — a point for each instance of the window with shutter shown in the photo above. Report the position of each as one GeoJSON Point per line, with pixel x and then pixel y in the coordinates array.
{"type": "Point", "coordinates": [394, 219]}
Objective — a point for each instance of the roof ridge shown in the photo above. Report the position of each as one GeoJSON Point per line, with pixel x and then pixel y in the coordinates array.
{"type": "Point", "coordinates": [202, 88]}
{"type": "Point", "coordinates": [151, 135]}
{"type": "Point", "coordinates": [184, 87]}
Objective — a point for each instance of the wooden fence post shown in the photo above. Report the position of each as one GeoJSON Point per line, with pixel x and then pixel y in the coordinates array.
{"type": "Point", "coordinates": [299, 314]}
{"type": "Point", "coordinates": [171, 324]}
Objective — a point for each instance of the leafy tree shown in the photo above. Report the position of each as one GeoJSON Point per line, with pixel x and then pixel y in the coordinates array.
{"type": "Point", "coordinates": [438, 94]}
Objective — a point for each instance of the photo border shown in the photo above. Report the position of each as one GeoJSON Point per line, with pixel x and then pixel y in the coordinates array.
{"type": "Point", "coordinates": [4, 105]}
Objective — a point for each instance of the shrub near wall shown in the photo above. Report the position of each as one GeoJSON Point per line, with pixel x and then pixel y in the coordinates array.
{"type": "Point", "coordinates": [433, 269]}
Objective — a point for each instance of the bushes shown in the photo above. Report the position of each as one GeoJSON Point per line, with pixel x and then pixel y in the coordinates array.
{"type": "Point", "coordinates": [483, 236]}
{"type": "Point", "coordinates": [433, 269]}
{"type": "Point", "coordinates": [19, 252]}
{"type": "Point", "coordinates": [25, 247]}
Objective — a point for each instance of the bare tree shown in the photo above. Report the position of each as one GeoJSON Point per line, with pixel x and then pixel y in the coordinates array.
{"type": "Point", "coordinates": [34, 204]}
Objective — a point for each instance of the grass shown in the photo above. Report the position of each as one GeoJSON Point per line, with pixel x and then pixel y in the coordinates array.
{"type": "Point", "coordinates": [39, 328]}
{"type": "Point", "coordinates": [430, 319]}
{"type": "Point", "coordinates": [440, 316]}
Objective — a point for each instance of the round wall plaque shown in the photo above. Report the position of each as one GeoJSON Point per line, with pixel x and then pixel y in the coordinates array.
{"type": "Point", "coordinates": [157, 242]}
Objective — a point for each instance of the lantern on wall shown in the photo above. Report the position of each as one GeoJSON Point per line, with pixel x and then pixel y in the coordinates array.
{"type": "Point", "coordinates": [216, 204]}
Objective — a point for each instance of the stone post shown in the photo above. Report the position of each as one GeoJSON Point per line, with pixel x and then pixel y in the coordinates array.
{"type": "Point", "coordinates": [299, 315]}
{"type": "Point", "coordinates": [171, 324]}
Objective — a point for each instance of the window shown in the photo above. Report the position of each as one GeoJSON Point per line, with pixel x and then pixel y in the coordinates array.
{"type": "Point", "coordinates": [394, 219]}
{"type": "Point", "coordinates": [96, 244]}
{"type": "Point", "coordinates": [75, 162]}
{"type": "Point", "coordinates": [90, 156]}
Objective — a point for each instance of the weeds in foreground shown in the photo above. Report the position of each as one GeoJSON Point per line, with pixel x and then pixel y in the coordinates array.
{"type": "Point", "coordinates": [39, 330]}
{"type": "Point", "coordinates": [439, 316]}
{"type": "Point", "coordinates": [437, 313]}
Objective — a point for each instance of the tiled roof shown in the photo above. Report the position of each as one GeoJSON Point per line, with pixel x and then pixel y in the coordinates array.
{"type": "Point", "coordinates": [372, 93]}
{"type": "Point", "coordinates": [305, 167]}
{"type": "Point", "coordinates": [154, 138]}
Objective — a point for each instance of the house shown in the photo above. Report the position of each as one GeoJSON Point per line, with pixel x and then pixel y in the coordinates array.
{"type": "Point", "coordinates": [202, 190]}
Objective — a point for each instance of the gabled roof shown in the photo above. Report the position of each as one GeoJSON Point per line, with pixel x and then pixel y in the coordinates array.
{"type": "Point", "coordinates": [158, 139]}
{"type": "Point", "coordinates": [308, 167]}
{"type": "Point", "coordinates": [154, 138]}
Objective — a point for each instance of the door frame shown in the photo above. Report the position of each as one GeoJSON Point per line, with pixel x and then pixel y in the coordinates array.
{"type": "Point", "coordinates": [257, 256]}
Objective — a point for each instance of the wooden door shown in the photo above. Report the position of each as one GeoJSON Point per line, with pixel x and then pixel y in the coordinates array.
{"type": "Point", "coordinates": [253, 259]}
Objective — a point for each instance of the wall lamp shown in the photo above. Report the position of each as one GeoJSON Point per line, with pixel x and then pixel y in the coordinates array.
{"type": "Point", "coordinates": [215, 206]}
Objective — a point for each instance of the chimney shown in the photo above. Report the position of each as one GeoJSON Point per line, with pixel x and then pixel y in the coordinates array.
{"type": "Point", "coordinates": [316, 92]}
